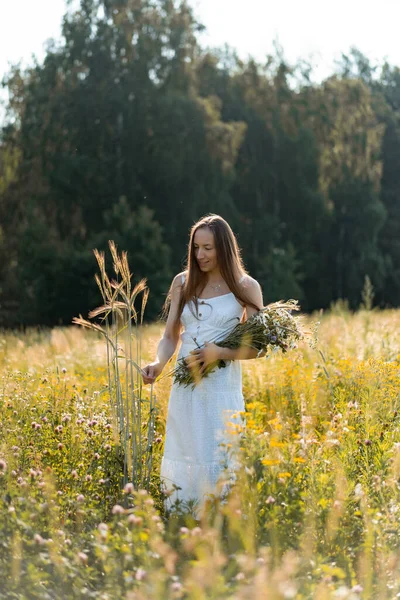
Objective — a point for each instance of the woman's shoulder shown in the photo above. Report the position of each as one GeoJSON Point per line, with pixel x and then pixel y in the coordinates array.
{"type": "Point", "coordinates": [252, 290]}
{"type": "Point", "coordinates": [179, 279]}
{"type": "Point", "coordinates": [249, 283]}
{"type": "Point", "coordinates": [176, 287]}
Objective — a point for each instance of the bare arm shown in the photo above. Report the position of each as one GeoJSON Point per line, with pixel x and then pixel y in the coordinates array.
{"type": "Point", "coordinates": [253, 289]}
{"type": "Point", "coordinates": [169, 341]}
{"type": "Point", "coordinates": [237, 354]}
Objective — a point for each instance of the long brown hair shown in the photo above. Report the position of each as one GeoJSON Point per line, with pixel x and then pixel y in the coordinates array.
{"type": "Point", "coordinates": [229, 262]}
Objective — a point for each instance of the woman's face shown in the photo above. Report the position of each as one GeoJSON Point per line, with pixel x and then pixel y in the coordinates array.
{"type": "Point", "coordinates": [204, 249]}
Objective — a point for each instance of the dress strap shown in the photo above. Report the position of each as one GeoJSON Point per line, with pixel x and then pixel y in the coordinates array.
{"type": "Point", "coordinates": [183, 278]}
{"type": "Point", "coordinates": [242, 278]}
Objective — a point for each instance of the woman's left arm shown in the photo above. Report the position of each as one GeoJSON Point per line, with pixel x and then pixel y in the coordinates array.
{"type": "Point", "coordinates": [202, 357]}
{"type": "Point", "coordinates": [254, 293]}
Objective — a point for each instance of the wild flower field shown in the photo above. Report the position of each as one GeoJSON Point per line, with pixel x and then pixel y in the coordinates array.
{"type": "Point", "coordinates": [314, 512]}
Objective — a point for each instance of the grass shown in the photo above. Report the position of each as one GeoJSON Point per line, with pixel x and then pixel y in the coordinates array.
{"type": "Point", "coordinates": [314, 512]}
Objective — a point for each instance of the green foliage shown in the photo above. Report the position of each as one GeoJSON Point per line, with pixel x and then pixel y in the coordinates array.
{"type": "Point", "coordinates": [130, 130]}
{"type": "Point", "coordinates": [142, 237]}
{"type": "Point", "coordinates": [367, 294]}
{"type": "Point", "coordinates": [279, 274]}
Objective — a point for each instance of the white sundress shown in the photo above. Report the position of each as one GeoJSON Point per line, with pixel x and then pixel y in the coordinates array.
{"type": "Point", "coordinates": [193, 457]}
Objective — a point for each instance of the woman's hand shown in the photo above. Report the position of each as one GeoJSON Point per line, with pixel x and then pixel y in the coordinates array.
{"type": "Point", "coordinates": [199, 359]}
{"type": "Point", "coordinates": [151, 372]}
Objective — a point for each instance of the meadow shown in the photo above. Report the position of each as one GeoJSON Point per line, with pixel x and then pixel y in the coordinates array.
{"type": "Point", "coordinates": [314, 512]}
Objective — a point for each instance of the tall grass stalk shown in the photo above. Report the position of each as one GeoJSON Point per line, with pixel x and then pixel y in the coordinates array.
{"type": "Point", "coordinates": [133, 416]}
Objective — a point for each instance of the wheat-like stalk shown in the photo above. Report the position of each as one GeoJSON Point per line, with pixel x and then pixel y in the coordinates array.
{"type": "Point", "coordinates": [121, 325]}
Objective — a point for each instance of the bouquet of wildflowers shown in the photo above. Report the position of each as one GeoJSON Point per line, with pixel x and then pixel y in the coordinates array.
{"type": "Point", "coordinates": [270, 329]}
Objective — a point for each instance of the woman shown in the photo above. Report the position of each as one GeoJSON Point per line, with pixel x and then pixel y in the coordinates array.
{"type": "Point", "coordinates": [208, 299]}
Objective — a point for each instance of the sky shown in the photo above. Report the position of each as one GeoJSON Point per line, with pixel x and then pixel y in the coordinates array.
{"type": "Point", "coordinates": [316, 29]}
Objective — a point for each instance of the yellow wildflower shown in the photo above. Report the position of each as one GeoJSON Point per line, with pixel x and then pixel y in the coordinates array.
{"type": "Point", "coordinates": [275, 444]}
{"type": "Point", "coordinates": [270, 461]}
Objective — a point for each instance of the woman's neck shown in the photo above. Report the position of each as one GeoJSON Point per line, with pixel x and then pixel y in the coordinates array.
{"type": "Point", "coordinates": [214, 276]}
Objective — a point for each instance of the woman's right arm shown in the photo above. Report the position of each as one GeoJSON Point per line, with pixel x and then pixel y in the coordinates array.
{"type": "Point", "coordinates": [169, 341]}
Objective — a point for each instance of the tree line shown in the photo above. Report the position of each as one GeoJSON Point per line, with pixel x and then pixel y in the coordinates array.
{"type": "Point", "coordinates": [130, 130]}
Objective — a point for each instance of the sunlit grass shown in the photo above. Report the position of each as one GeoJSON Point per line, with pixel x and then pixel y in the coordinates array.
{"type": "Point", "coordinates": [314, 512]}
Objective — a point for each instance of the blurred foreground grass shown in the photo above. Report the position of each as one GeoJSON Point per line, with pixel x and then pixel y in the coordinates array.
{"type": "Point", "coordinates": [314, 512]}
